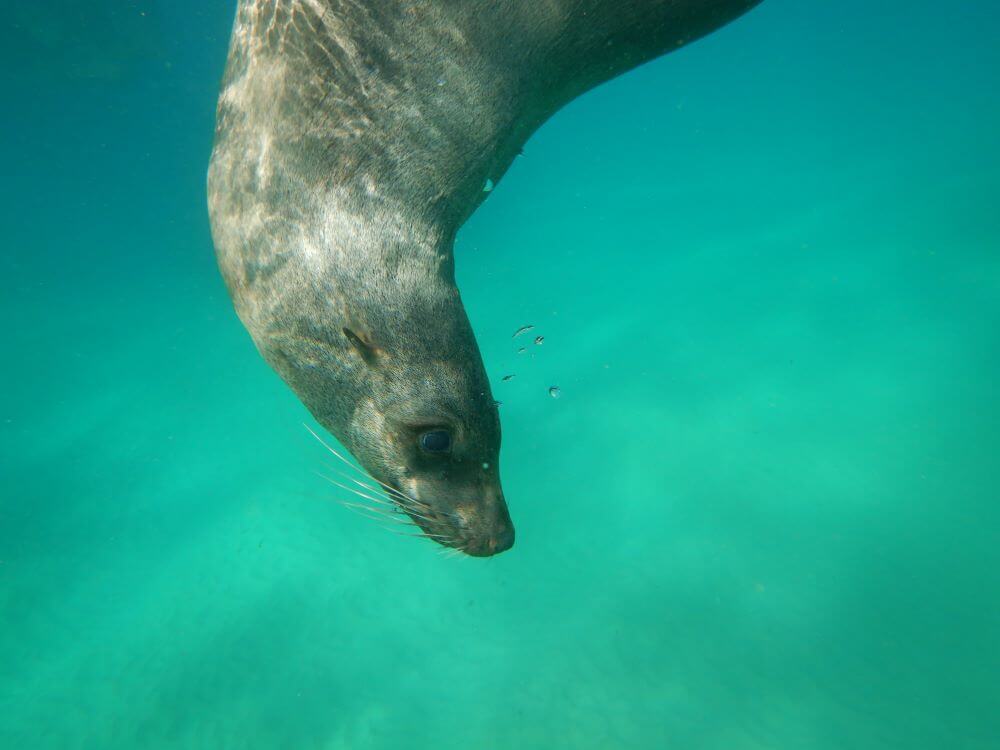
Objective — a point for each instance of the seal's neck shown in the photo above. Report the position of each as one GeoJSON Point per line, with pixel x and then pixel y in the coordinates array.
{"type": "Point", "coordinates": [425, 104]}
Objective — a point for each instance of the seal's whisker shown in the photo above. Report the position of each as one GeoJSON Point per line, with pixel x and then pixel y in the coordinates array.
{"type": "Point", "coordinates": [387, 512]}
{"type": "Point", "coordinates": [403, 533]}
{"type": "Point", "coordinates": [398, 500]}
{"type": "Point", "coordinates": [413, 513]}
{"type": "Point", "coordinates": [375, 515]}
{"type": "Point", "coordinates": [401, 501]}
{"type": "Point", "coordinates": [359, 493]}
{"type": "Point", "coordinates": [362, 510]}
{"type": "Point", "coordinates": [392, 491]}
{"type": "Point", "coordinates": [386, 515]}
{"type": "Point", "coordinates": [399, 496]}
{"type": "Point", "coordinates": [373, 509]}
{"type": "Point", "coordinates": [384, 504]}
{"type": "Point", "coordinates": [441, 537]}
{"type": "Point", "coordinates": [355, 480]}
{"type": "Point", "coordinates": [444, 541]}
{"type": "Point", "coordinates": [358, 482]}
{"type": "Point", "coordinates": [436, 538]}
{"type": "Point", "coordinates": [396, 494]}
{"type": "Point", "coordinates": [403, 496]}
{"type": "Point", "coordinates": [326, 445]}
{"type": "Point", "coordinates": [380, 514]}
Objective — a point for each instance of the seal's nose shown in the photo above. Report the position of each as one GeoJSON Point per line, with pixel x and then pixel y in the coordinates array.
{"type": "Point", "coordinates": [502, 540]}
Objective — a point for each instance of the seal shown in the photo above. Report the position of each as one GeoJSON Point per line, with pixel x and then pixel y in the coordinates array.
{"type": "Point", "coordinates": [353, 139]}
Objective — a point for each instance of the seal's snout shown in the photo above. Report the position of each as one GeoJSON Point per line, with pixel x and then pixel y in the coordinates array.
{"type": "Point", "coordinates": [493, 544]}
{"type": "Point", "coordinates": [502, 541]}
{"type": "Point", "coordinates": [478, 524]}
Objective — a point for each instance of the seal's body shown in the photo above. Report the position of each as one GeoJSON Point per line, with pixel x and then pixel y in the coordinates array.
{"type": "Point", "coordinates": [353, 140]}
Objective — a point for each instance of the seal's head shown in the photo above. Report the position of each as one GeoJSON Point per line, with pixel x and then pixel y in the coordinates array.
{"type": "Point", "coordinates": [427, 428]}
{"type": "Point", "coordinates": [405, 391]}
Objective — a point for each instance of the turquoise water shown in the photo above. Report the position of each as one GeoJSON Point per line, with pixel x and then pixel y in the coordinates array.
{"type": "Point", "coordinates": [763, 514]}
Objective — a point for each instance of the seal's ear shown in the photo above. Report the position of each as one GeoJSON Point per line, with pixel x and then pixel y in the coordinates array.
{"type": "Point", "coordinates": [368, 351]}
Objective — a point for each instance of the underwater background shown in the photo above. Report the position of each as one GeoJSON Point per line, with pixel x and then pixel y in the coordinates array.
{"type": "Point", "coordinates": [762, 514]}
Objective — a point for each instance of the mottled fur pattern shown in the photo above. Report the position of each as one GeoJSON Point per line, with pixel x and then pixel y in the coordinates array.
{"type": "Point", "coordinates": [353, 138]}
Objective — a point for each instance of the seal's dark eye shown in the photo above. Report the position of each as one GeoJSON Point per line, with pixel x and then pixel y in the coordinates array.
{"type": "Point", "coordinates": [437, 441]}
